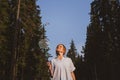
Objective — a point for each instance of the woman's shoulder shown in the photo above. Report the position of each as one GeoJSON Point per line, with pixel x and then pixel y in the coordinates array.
{"type": "Point", "coordinates": [67, 58]}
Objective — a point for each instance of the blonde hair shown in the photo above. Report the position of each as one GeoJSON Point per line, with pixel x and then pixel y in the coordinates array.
{"type": "Point", "coordinates": [64, 49]}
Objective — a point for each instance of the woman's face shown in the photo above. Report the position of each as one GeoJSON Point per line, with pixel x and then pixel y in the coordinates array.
{"type": "Point", "coordinates": [60, 48]}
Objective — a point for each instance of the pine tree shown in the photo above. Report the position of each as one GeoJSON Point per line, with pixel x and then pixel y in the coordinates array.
{"type": "Point", "coordinates": [4, 46]}
{"type": "Point", "coordinates": [72, 52]}
{"type": "Point", "coordinates": [35, 58]}
{"type": "Point", "coordinates": [20, 32]}
{"type": "Point", "coordinates": [102, 36]}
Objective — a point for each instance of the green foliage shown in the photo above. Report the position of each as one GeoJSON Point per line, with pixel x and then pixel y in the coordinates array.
{"type": "Point", "coordinates": [72, 52]}
{"type": "Point", "coordinates": [101, 48]}
{"type": "Point", "coordinates": [20, 55]}
{"type": "Point", "coordinates": [4, 50]}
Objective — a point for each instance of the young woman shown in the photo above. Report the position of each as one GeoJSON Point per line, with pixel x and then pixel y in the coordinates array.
{"type": "Point", "coordinates": [61, 68]}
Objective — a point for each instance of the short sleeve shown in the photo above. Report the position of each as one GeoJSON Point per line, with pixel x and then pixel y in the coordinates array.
{"type": "Point", "coordinates": [72, 67]}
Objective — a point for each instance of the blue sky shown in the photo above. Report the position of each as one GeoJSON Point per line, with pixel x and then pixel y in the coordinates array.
{"type": "Point", "coordinates": [68, 19]}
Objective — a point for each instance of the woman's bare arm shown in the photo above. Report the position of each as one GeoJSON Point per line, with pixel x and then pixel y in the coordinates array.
{"type": "Point", "coordinates": [50, 68]}
{"type": "Point", "coordinates": [73, 75]}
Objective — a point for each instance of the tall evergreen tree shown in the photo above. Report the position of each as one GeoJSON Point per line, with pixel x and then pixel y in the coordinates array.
{"type": "Point", "coordinates": [35, 59]}
{"type": "Point", "coordinates": [72, 52]}
{"type": "Point", "coordinates": [102, 36]}
{"type": "Point", "coordinates": [4, 40]}
{"type": "Point", "coordinates": [20, 31]}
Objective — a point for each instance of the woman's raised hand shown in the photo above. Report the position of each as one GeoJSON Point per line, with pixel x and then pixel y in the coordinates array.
{"type": "Point", "coordinates": [49, 65]}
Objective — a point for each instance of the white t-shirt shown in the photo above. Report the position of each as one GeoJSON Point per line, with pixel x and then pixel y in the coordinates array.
{"type": "Point", "coordinates": [62, 68]}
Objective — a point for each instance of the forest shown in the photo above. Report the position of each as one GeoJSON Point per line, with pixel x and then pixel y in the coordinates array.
{"type": "Point", "coordinates": [24, 50]}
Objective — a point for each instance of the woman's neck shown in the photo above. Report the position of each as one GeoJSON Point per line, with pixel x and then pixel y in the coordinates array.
{"type": "Point", "coordinates": [60, 57]}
